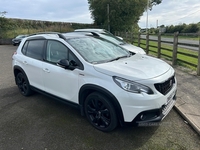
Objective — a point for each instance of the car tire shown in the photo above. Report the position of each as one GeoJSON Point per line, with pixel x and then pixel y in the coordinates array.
{"type": "Point", "coordinates": [100, 112]}
{"type": "Point", "coordinates": [23, 84]}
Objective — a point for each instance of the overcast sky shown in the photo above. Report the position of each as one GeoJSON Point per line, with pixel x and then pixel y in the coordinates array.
{"type": "Point", "coordinates": [169, 12]}
{"type": "Point", "coordinates": [172, 12]}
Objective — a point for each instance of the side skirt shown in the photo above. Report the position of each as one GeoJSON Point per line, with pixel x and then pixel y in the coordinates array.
{"type": "Point", "coordinates": [64, 101]}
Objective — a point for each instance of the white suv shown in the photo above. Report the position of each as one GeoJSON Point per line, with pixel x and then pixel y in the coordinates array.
{"type": "Point", "coordinates": [108, 84]}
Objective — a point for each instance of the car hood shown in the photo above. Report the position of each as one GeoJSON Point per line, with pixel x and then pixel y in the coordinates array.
{"type": "Point", "coordinates": [137, 67]}
{"type": "Point", "coordinates": [133, 48]}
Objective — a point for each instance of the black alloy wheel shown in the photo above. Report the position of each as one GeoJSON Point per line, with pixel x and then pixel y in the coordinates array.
{"type": "Point", "coordinates": [23, 84]}
{"type": "Point", "coordinates": [100, 112]}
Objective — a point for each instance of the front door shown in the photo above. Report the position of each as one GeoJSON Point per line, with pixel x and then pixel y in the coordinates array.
{"type": "Point", "coordinates": [57, 80]}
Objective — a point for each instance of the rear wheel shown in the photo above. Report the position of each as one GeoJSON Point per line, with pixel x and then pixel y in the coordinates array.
{"type": "Point", "coordinates": [100, 112]}
{"type": "Point", "coordinates": [23, 84]}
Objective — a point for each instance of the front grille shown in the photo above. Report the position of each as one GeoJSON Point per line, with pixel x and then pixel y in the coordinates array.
{"type": "Point", "coordinates": [166, 86]}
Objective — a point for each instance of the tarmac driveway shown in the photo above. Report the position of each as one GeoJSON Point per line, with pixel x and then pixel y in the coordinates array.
{"type": "Point", "coordinates": [41, 123]}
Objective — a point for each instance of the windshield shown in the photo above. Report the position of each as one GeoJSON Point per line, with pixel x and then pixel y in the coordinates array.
{"type": "Point", "coordinates": [21, 36]}
{"type": "Point", "coordinates": [97, 50]}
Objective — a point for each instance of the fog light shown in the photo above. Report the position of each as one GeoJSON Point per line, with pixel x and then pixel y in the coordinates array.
{"type": "Point", "coordinates": [143, 117]}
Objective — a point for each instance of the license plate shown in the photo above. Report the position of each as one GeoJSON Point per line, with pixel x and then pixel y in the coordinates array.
{"type": "Point", "coordinates": [170, 97]}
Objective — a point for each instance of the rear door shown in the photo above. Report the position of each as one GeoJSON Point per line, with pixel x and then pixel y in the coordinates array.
{"type": "Point", "coordinates": [32, 64]}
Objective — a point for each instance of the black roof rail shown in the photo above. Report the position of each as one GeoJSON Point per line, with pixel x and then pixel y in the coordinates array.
{"type": "Point", "coordinates": [58, 33]}
{"type": "Point", "coordinates": [94, 33]}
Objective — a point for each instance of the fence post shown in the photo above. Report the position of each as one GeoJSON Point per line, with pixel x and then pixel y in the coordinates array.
{"type": "Point", "coordinates": [139, 39]}
{"type": "Point", "coordinates": [198, 65]}
{"type": "Point", "coordinates": [132, 39]}
{"type": "Point", "coordinates": [147, 43]}
{"type": "Point", "coordinates": [159, 45]}
{"type": "Point", "coordinates": [175, 48]}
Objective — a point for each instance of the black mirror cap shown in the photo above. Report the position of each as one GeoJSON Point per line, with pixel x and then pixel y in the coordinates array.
{"type": "Point", "coordinates": [64, 63]}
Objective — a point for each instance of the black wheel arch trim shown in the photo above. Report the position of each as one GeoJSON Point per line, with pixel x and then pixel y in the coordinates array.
{"type": "Point", "coordinates": [17, 69]}
{"type": "Point", "coordinates": [86, 89]}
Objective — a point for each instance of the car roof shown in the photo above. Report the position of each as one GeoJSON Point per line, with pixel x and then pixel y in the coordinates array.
{"type": "Point", "coordinates": [68, 35]}
{"type": "Point", "coordinates": [91, 30]}
{"type": "Point", "coordinates": [46, 35]}
{"type": "Point", "coordinates": [80, 34]}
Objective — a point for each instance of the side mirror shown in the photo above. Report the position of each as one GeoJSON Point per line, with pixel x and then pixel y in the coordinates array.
{"type": "Point", "coordinates": [64, 63]}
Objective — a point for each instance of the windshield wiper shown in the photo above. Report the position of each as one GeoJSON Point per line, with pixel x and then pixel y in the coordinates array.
{"type": "Point", "coordinates": [118, 58]}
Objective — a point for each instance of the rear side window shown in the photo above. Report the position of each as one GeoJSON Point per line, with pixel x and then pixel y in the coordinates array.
{"type": "Point", "coordinates": [35, 48]}
{"type": "Point", "coordinates": [24, 48]}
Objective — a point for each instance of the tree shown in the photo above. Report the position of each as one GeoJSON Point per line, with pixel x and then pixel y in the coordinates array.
{"type": "Point", "coordinates": [123, 14]}
{"type": "Point", "coordinates": [183, 28]}
{"type": "Point", "coordinates": [191, 28]}
{"type": "Point", "coordinates": [3, 13]}
{"type": "Point", "coordinates": [154, 2]}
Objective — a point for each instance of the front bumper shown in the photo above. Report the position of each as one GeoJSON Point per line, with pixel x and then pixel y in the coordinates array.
{"type": "Point", "coordinates": [156, 115]}
{"type": "Point", "coordinates": [142, 107]}
{"type": "Point", "coordinates": [15, 42]}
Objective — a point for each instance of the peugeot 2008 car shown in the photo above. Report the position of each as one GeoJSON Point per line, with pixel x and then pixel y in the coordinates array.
{"type": "Point", "coordinates": [109, 85]}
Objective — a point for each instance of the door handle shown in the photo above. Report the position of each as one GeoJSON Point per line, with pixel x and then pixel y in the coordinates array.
{"type": "Point", "coordinates": [46, 70]}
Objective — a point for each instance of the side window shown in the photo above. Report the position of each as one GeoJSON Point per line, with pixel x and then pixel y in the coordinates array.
{"type": "Point", "coordinates": [25, 48]}
{"type": "Point", "coordinates": [56, 51]}
{"type": "Point", "coordinates": [35, 49]}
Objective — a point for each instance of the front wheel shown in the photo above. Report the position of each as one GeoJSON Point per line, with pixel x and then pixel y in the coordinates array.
{"type": "Point", "coordinates": [100, 112]}
{"type": "Point", "coordinates": [23, 84]}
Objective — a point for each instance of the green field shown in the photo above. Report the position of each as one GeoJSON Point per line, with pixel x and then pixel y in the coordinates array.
{"type": "Point", "coordinates": [189, 37]}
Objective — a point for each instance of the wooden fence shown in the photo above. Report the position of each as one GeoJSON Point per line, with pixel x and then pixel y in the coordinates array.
{"type": "Point", "coordinates": [173, 51]}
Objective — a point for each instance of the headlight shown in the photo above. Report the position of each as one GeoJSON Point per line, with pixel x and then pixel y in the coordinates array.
{"type": "Point", "coordinates": [131, 86]}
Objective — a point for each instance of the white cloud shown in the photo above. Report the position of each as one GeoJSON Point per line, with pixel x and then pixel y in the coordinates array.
{"type": "Point", "coordinates": [172, 13]}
